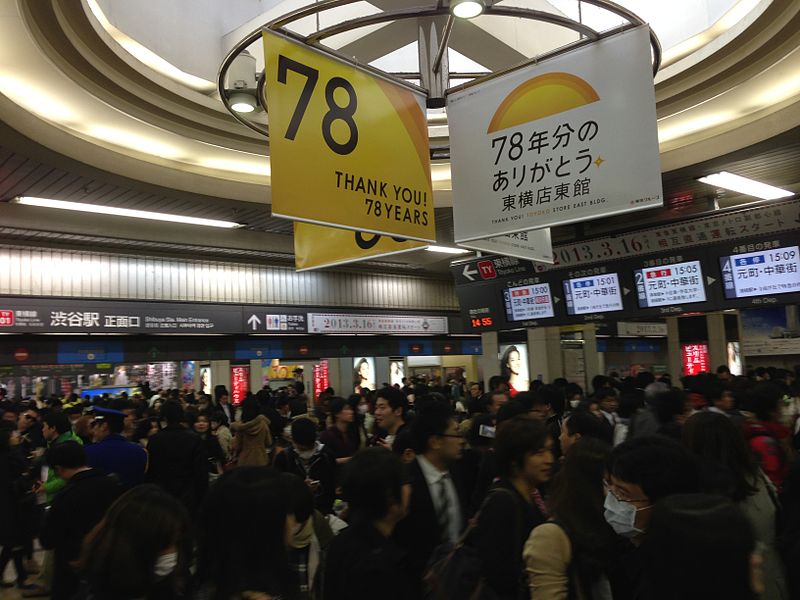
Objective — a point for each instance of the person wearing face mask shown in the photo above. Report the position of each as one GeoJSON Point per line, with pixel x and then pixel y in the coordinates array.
{"type": "Point", "coordinates": [641, 472]}
{"type": "Point", "coordinates": [312, 461]}
{"type": "Point", "coordinates": [75, 510]}
{"type": "Point", "coordinates": [140, 550]}
{"type": "Point", "coordinates": [364, 562]}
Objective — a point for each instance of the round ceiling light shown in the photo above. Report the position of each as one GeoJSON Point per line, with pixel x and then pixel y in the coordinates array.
{"type": "Point", "coordinates": [243, 102]}
{"type": "Point", "coordinates": [467, 9]}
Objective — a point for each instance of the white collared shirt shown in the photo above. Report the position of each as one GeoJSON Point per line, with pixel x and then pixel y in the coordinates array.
{"type": "Point", "coordinates": [714, 409]}
{"type": "Point", "coordinates": [432, 478]}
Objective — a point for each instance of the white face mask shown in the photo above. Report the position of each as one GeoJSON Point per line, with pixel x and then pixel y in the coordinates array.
{"type": "Point", "coordinates": [165, 564]}
{"type": "Point", "coordinates": [363, 409]}
{"type": "Point", "coordinates": [574, 403]}
{"type": "Point", "coordinates": [622, 516]}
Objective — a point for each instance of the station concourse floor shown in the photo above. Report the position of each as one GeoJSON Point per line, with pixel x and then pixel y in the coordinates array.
{"type": "Point", "coordinates": [10, 574]}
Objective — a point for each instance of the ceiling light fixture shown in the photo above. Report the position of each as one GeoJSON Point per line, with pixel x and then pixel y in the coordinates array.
{"type": "Point", "coordinates": [122, 212]}
{"type": "Point", "coordinates": [743, 185]}
{"type": "Point", "coordinates": [446, 250]}
{"type": "Point", "coordinates": [242, 102]}
{"type": "Point", "coordinates": [467, 9]}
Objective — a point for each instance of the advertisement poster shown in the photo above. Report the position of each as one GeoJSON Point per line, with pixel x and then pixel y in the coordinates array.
{"type": "Point", "coordinates": [735, 358]}
{"type": "Point", "coordinates": [321, 377]}
{"type": "Point", "coordinates": [397, 371]}
{"type": "Point", "coordinates": [363, 373]}
{"type": "Point", "coordinates": [188, 369]}
{"type": "Point", "coordinates": [569, 139]}
{"type": "Point", "coordinates": [695, 359]}
{"type": "Point", "coordinates": [278, 371]}
{"type": "Point", "coordinates": [514, 365]}
{"type": "Point", "coordinates": [348, 149]}
{"type": "Point", "coordinates": [240, 383]}
{"type": "Point", "coordinates": [766, 331]}
{"type": "Point", "coordinates": [206, 385]}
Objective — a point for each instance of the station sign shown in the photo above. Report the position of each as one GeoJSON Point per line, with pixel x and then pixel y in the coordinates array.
{"type": "Point", "coordinates": [316, 246]}
{"type": "Point", "coordinates": [373, 323]}
{"type": "Point", "coordinates": [348, 148]}
{"type": "Point", "coordinates": [568, 139]}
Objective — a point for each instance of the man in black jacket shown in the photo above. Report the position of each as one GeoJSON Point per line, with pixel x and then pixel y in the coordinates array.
{"type": "Point", "coordinates": [437, 509]}
{"type": "Point", "coordinates": [74, 512]}
{"type": "Point", "coordinates": [178, 463]}
{"type": "Point", "coordinates": [364, 563]}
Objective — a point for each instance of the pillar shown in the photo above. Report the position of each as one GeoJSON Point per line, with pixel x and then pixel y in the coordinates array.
{"type": "Point", "coordinates": [220, 374]}
{"type": "Point", "coordinates": [717, 341]}
{"type": "Point", "coordinates": [674, 350]}
{"type": "Point", "coordinates": [489, 362]}
{"type": "Point", "coordinates": [255, 375]}
{"type": "Point", "coordinates": [590, 355]}
{"type": "Point", "coordinates": [544, 353]}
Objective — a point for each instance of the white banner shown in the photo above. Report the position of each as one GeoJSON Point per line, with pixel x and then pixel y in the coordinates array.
{"type": "Point", "coordinates": [568, 140]}
{"type": "Point", "coordinates": [641, 329]}
{"type": "Point", "coordinates": [399, 324]}
{"type": "Point", "coordinates": [533, 245]}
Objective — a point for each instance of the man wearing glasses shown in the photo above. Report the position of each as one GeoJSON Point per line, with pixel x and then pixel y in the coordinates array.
{"type": "Point", "coordinates": [30, 431]}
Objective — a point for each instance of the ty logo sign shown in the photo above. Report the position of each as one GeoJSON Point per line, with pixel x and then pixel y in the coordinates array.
{"type": "Point", "coordinates": [486, 269]}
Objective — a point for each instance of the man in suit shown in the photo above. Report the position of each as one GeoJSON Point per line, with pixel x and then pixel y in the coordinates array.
{"type": "Point", "coordinates": [437, 511]}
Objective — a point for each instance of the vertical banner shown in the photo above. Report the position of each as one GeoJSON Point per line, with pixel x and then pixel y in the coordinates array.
{"type": "Point", "coordinates": [570, 139]}
{"type": "Point", "coordinates": [695, 359]}
{"type": "Point", "coordinates": [321, 377]}
{"type": "Point", "coordinates": [316, 246]}
{"type": "Point", "coordinates": [347, 148]}
{"type": "Point", "coordinates": [240, 383]}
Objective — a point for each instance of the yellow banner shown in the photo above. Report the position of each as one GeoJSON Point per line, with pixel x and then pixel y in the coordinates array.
{"type": "Point", "coordinates": [316, 246]}
{"type": "Point", "coordinates": [347, 148]}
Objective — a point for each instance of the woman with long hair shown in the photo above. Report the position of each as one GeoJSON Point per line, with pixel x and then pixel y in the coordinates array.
{"type": "Point", "coordinates": [253, 436]}
{"type": "Point", "coordinates": [570, 556]}
{"type": "Point", "coordinates": [140, 550]}
{"type": "Point", "coordinates": [728, 468]}
{"type": "Point", "coordinates": [511, 369]}
{"type": "Point", "coordinates": [362, 376]}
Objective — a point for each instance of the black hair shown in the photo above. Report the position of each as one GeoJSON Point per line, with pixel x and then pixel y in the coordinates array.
{"type": "Point", "coordinates": [723, 369]}
{"type": "Point", "coordinates": [515, 440]}
{"type": "Point", "coordinates": [763, 400]}
{"type": "Point", "coordinates": [509, 410]}
{"type": "Point", "coordinates": [586, 424]}
{"type": "Point", "coordinates": [337, 405]}
{"type": "Point", "coordinates": [605, 392]}
{"type": "Point", "coordinates": [372, 481]}
{"type": "Point", "coordinates": [495, 381]}
{"type": "Point", "coordinates": [549, 395]}
{"type": "Point", "coordinates": [705, 539]}
{"type": "Point", "coordinates": [172, 412]}
{"type": "Point", "coordinates": [577, 504]}
{"type": "Point", "coordinates": [403, 441]}
{"type": "Point", "coordinates": [120, 553]}
{"type": "Point", "coordinates": [505, 370]}
{"type": "Point", "coordinates": [599, 382]}
{"type": "Point", "coordinates": [219, 417]}
{"type": "Point", "coordinates": [433, 418]}
{"type": "Point", "coordinates": [6, 431]}
{"type": "Point", "coordinates": [573, 389]}
{"type": "Point", "coordinates": [668, 405]}
{"type": "Point", "coordinates": [252, 557]}
{"type": "Point", "coordinates": [659, 465]}
{"type": "Point", "coordinates": [250, 409]}
{"type": "Point", "coordinates": [629, 403]}
{"type": "Point", "coordinates": [69, 455]}
{"type": "Point", "coordinates": [394, 397]}
{"type": "Point", "coordinates": [58, 420]}
{"type": "Point", "coordinates": [304, 432]}
{"type": "Point", "coordinates": [474, 436]}
{"type": "Point", "coordinates": [727, 465]}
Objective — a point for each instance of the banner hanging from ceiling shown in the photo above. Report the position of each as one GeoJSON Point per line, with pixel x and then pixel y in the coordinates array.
{"type": "Point", "coordinates": [570, 139]}
{"type": "Point", "coordinates": [535, 245]}
{"type": "Point", "coordinates": [316, 246]}
{"type": "Point", "coordinates": [347, 148]}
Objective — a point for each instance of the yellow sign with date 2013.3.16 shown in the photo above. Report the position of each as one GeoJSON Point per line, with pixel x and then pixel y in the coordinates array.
{"type": "Point", "coordinates": [347, 148]}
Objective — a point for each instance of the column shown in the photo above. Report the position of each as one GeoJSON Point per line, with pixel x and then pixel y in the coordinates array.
{"type": "Point", "coordinates": [489, 363]}
{"type": "Point", "coordinates": [220, 374]}
{"type": "Point", "coordinates": [674, 351]}
{"type": "Point", "coordinates": [717, 341]}
{"type": "Point", "coordinates": [255, 375]}
{"type": "Point", "coordinates": [544, 353]}
{"type": "Point", "coordinates": [590, 354]}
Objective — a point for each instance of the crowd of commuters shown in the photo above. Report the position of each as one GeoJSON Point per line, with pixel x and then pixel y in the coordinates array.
{"type": "Point", "coordinates": [635, 489]}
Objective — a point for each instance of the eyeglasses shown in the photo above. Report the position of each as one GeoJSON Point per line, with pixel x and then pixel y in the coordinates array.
{"type": "Point", "coordinates": [609, 488]}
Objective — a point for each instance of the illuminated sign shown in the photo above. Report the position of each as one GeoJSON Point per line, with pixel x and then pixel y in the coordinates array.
{"type": "Point", "coordinates": [668, 285]}
{"type": "Point", "coordinates": [594, 294]}
{"type": "Point", "coordinates": [695, 359]}
{"type": "Point", "coordinates": [240, 383]}
{"type": "Point", "coordinates": [528, 302]}
{"type": "Point", "coordinates": [761, 273]}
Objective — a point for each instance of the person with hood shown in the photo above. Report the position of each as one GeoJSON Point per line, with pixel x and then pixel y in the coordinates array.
{"type": "Point", "coordinates": [253, 437]}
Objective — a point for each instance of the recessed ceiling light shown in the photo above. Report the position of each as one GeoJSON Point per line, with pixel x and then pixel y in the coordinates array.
{"type": "Point", "coordinates": [122, 212]}
{"type": "Point", "coordinates": [467, 9]}
{"type": "Point", "coordinates": [743, 185]}
{"type": "Point", "coordinates": [446, 250]}
{"type": "Point", "coordinates": [243, 103]}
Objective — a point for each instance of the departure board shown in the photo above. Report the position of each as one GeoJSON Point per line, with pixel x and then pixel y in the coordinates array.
{"type": "Point", "coordinates": [528, 302]}
{"type": "Point", "coordinates": [669, 285]}
{"type": "Point", "coordinates": [595, 294]}
{"type": "Point", "coordinates": [763, 273]}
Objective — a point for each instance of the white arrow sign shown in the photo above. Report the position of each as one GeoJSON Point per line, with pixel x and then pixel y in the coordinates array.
{"type": "Point", "coordinates": [626, 291]}
{"type": "Point", "coordinates": [556, 299]}
{"type": "Point", "coordinates": [254, 322]}
{"type": "Point", "coordinates": [468, 273]}
{"type": "Point", "coordinates": [710, 280]}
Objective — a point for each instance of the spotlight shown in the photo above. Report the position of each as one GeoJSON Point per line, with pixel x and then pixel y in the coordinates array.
{"type": "Point", "coordinates": [467, 9]}
{"type": "Point", "coordinates": [243, 102]}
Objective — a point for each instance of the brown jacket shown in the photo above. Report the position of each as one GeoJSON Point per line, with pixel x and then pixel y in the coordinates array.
{"type": "Point", "coordinates": [251, 442]}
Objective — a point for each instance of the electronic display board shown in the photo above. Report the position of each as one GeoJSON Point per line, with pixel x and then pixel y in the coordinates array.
{"type": "Point", "coordinates": [528, 302]}
{"type": "Point", "coordinates": [761, 273]}
{"type": "Point", "coordinates": [667, 285]}
{"type": "Point", "coordinates": [594, 294]}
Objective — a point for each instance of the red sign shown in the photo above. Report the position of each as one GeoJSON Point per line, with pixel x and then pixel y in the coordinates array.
{"type": "Point", "coordinates": [487, 270]}
{"type": "Point", "coordinates": [240, 383]}
{"type": "Point", "coordinates": [303, 350]}
{"type": "Point", "coordinates": [448, 348]}
{"type": "Point", "coordinates": [6, 318]}
{"type": "Point", "coordinates": [481, 322]}
{"type": "Point", "coordinates": [695, 359]}
{"type": "Point", "coordinates": [321, 378]}
{"type": "Point", "coordinates": [21, 354]}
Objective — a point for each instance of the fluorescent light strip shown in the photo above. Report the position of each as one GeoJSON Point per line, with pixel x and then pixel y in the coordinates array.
{"type": "Point", "coordinates": [446, 250]}
{"type": "Point", "coordinates": [122, 212]}
{"type": "Point", "coordinates": [743, 185]}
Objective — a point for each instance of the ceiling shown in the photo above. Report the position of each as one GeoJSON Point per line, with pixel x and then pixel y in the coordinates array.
{"type": "Point", "coordinates": [84, 120]}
